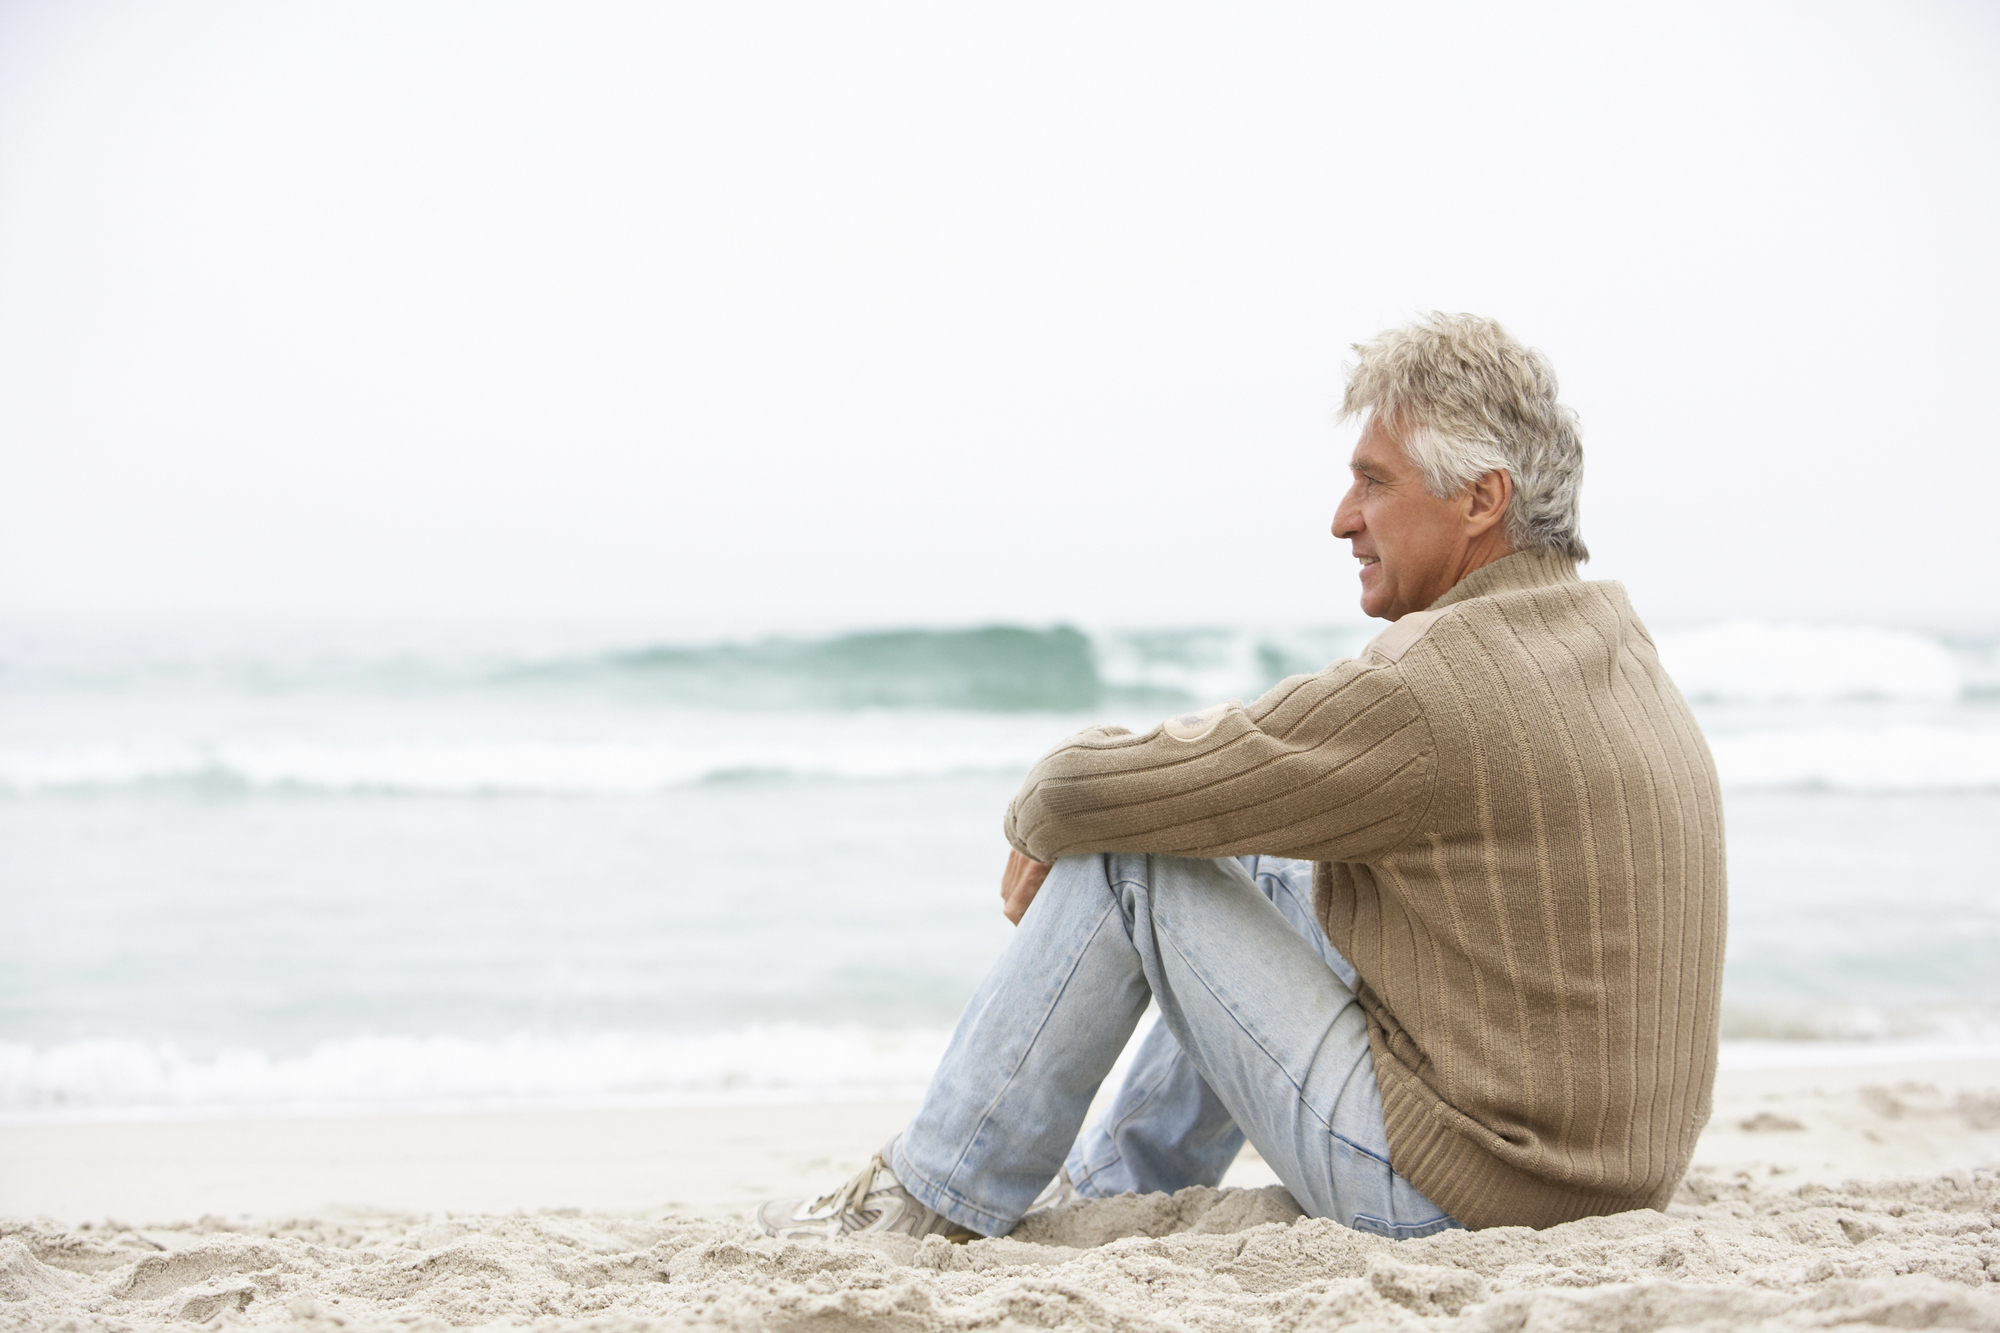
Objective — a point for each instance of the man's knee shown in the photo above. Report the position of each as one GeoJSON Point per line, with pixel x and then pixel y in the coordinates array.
{"type": "Point", "coordinates": [1070, 878]}
{"type": "Point", "coordinates": [1165, 883]}
{"type": "Point", "coordinates": [1086, 867]}
{"type": "Point", "coordinates": [1144, 884]}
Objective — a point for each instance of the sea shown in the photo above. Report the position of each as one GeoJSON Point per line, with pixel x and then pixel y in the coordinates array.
{"type": "Point", "coordinates": [321, 872]}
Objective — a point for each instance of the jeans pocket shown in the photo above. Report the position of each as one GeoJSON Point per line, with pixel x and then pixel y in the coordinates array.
{"type": "Point", "coordinates": [1376, 1226]}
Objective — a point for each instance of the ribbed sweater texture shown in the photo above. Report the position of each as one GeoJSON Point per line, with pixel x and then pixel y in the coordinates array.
{"type": "Point", "coordinates": [1519, 840]}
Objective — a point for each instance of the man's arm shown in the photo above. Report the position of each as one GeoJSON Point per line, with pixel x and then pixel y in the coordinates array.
{"type": "Point", "coordinates": [1336, 766]}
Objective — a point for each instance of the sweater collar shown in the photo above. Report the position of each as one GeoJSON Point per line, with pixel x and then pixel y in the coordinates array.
{"type": "Point", "coordinates": [1519, 572]}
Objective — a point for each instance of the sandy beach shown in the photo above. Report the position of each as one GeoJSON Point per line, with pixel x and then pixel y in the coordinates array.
{"type": "Point", "coordinates": [1859, 1196]}
{"type": "Point", "coordinates": [566, 570]}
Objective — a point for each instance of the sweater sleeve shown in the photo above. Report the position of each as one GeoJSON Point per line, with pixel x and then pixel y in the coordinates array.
{"type": "Point", "coordinates": [1336, 766]}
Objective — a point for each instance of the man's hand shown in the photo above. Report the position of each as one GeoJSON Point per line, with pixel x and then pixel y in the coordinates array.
{"type": "Point", "coordinates": [1018, 886]}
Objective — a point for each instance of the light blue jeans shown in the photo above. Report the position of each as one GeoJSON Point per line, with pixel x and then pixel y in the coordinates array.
{"type": "Point", "coordinates": [1259, 1035]}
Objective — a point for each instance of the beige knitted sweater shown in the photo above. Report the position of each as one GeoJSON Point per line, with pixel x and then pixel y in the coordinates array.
{"type": "Point", "coordinates": [1520, 848]}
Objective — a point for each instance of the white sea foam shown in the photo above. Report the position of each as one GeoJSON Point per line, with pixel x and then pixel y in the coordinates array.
{"type": "Point", "coordinates": [581, 769]}
{"type": "Point", "coordinates": [1740, 660]}
{"type": "Point", "coordinates": [1745, 661]}
{"type": "Point", "coordinates": [1759, 1054]}
{"type": "Point", "coordinates": [1861, 1024]}
{"type": "Point", "coordinates": [1893, 758]}
{"type": "Point", "coordinates": [1832, 757]}
{"type": "Point", "coordinates": [124, 1078]}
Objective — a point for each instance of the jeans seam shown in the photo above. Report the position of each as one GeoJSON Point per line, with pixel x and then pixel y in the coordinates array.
{"type": "Point", "coordinates": [1255, 1040]}
{"type": "Point", "coordinates": [1317, 937]}
{"type": "Point", "coordinates": [959, 1208]}
{"type": "Point", "coordinates": [1415, 1230]}
{"type": "Point", "coordinates": [1091, 1174]}
{"type": "Point", "coordinates": [986, 1114]}
{"type": "Point", "coordinates": [1152, 1091]}
{"type": "Point", "coordinates": [1115, 882]}
{"type": "Point", "coordinates": [1365, 1152]}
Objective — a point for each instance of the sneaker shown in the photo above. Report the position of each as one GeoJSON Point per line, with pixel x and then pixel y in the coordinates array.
{"type": "Point", "coordinates": [873, 1203]}
{"type": "Point", "coordinates": [1056, 1193]}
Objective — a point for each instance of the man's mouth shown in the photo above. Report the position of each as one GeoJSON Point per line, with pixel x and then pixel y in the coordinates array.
{"type": "Point", "coordinates": [1367, 560]}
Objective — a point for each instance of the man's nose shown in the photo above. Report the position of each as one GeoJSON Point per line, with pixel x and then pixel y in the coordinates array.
{"type": "Point", "coordinates": [1346, 521]}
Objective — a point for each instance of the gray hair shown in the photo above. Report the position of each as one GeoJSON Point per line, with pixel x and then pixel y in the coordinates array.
{"type": "Point", "coordinates": [1466, 399]}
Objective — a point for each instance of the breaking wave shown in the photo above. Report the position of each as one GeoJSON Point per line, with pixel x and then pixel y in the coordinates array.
{"type": "Point", "coordinates": [132, 1079]}
{"type": "Point", "coordinates": [1746, 661]}
{"type": "Point", "coordinates": [1956, 1023]}
{"type": "Point", "coordinates": [995, 668]}
{"type": "Point", "coordinates": [1894, 758]}
{"type": "Point", "coordinates": [116, 1077]}
{"type": "Point", "coordinates": [999, 668]}
{"type": "Point", "coordinates": [1787, 706]}
{"type": "Point", "coordinates": [492, 769]}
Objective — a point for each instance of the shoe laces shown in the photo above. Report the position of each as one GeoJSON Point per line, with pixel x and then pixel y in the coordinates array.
{"type": "Point", "coordinates": [848, 1200]}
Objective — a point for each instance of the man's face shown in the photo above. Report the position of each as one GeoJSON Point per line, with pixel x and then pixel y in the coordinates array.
{"type": "Point", "coordinates": [1411, 545]}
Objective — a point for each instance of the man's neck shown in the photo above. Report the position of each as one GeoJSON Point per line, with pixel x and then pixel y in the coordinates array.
{"type": "Point", "coordinates": [1485, 549]}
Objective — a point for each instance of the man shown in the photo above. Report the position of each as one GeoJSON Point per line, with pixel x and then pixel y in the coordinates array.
{"type": "Point", "coordinates": [1500, 1006]}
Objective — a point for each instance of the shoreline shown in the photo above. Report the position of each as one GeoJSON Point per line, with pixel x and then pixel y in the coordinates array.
{"type": "Point", "coordinates": [1737, 1055]}
{"type": "Point", "coordinates": [1895, 1116]}
{"type": "Point", "coordinates": [1857, 1196]}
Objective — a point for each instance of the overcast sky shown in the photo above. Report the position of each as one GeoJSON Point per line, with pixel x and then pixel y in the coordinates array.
{"type": "Point", "coordinates": [746, 316]}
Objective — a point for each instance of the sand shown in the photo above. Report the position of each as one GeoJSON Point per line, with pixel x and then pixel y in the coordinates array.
{"type": "Point", "coordinates": [1855, 1198]}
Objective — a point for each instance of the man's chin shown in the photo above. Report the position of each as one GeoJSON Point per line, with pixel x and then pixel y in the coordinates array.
{"type": "Point", "coordinates": [1375, 599]}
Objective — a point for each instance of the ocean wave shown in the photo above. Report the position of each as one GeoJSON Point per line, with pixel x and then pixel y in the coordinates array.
{"type": "Point", "coordinates": [115, 1077]}
{"type": "Point", "coordinates": [1789, 1023]}
{"type": "Point", "coordinates": [1747, 661]}
{"type": "Point", "coordinates": [130, 1079]}
{"type": "Point", "coordinates": [1893, 758]}
{"type": "Point", "coordinates": [491, 769]}
{"type": "Point", "coordinates": [1784, 706]}
{"type": "Point", "coordinates": [1751, 1054]}
{"type": "Point", "coordinates": [1063, 669]}
{"type": "Point", "coordinates": [1906, 757]}
{"type": "Point", "coordinates": [993, 668]}
{"type": "Point", "coordinates": [1000, 668]}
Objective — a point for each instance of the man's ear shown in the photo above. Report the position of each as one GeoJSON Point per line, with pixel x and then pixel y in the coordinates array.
{"type": "Point", "coordinates": [1486, 500]}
